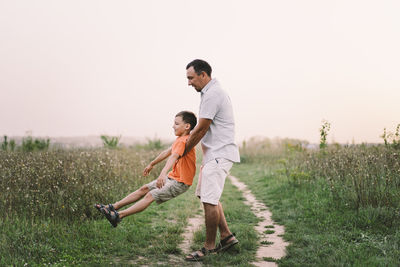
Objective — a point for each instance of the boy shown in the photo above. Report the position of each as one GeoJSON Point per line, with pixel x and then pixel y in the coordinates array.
{"type": "Point", "coordinates": [165, 187]}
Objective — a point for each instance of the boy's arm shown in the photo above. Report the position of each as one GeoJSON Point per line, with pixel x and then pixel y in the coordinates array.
{"type": "Point", "coordinates": [168, 165]}
{"type": "Point", "coordinates": [163, 155]}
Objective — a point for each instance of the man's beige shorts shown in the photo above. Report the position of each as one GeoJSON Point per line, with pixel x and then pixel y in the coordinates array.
{"type": "Point", "coordinates": [212, 179]}
{"type": "Point", "coordinates": [171, 189]}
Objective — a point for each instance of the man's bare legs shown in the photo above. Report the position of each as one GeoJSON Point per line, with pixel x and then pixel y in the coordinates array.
{"type": "Point", "coordinates": [223, 225]}
{"type": "Point", "coordinates": [215, 218]}
{"type": "Point", "coordinates": [212, 218]}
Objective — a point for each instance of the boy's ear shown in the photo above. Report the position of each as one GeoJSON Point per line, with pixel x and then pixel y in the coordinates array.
{"type": "Point", "coordinates": [187, 126]}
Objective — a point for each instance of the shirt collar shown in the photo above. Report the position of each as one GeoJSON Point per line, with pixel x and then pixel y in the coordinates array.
{"type": "Point", "coordinates": [208, 85]}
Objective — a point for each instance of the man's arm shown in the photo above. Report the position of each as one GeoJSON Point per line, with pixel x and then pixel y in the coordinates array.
{"type": "Point", "coordinates": [163, 155]}
{"type": "Point", "coordinates": [197, 133]}
{"type": "Point", "coordinates": [168, 165]}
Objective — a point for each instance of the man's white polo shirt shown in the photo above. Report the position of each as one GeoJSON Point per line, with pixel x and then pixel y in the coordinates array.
{"type": "Point", "coordinates": [219, 141]}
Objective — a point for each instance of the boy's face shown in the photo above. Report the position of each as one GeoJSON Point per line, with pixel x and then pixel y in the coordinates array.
{"type": "Point", "coordinates": [180, 127]}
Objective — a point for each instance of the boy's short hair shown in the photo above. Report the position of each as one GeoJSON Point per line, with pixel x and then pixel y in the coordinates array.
{"type": "Point", "coordinates": [199, 66]}
{"type": "Point", "coordinates": [188, 117]}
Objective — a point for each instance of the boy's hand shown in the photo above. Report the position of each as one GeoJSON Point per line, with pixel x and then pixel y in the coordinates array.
{"type": "Point", "coordinates": [161, 181]}
{"type": "Point", "coordinates": [147, 170]}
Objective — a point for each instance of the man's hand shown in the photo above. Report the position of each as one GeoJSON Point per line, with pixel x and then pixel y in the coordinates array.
{"type": "Point", "coordinates": [196, 134]}
{"type": "Point", "coordinates": [161, 180]}
{"type": "Point", "coordinates": [147, 170]}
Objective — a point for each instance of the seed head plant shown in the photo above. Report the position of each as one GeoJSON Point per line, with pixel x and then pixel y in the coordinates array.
{"type": "Point", "coordinates": [393, 137]}
{"type": "Point", "coordinates": [326, 126]}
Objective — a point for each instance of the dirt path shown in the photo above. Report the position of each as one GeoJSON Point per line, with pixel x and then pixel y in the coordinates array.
{"type": "Point", "coordinates": [275, 250]}
{"type": "Point", "coordinates": [193, 226]}
{"type": "Point", "coordinates": [271, 245]}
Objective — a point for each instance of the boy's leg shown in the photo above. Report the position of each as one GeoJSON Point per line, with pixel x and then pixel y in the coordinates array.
{"type": "Point", "coordinates": [170, 190]}
{"type": "Point", "coordinates": [138, 206]}
{"type": "Point", "coordinates": [132, 197]}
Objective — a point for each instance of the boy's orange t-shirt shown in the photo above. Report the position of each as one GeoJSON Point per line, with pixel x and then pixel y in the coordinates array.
{"type": "Point", "coordinates": [184, 168]}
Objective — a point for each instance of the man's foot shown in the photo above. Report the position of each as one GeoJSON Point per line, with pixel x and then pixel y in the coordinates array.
{"type": "Point", "coordinates": [199, 255]}
{"type": "Point", "coordinates": [227, 243]}
{"type": "Point", "coordinates": [111, 214]}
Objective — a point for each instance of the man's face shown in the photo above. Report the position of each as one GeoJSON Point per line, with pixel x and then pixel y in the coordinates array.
{"type": "Point", "coordinates": [197, 81]}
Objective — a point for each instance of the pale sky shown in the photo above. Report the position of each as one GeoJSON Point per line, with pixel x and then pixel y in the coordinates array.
{"type": "Point", "coordinates": [76, 68]}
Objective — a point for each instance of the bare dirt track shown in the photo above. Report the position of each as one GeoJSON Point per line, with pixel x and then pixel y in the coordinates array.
{"type": "Point", "coordinates": [194, 224]}
{"type": "Point", "coordinates": [271, 246]}
{"type": "Point", "coordinates": [277, 249]}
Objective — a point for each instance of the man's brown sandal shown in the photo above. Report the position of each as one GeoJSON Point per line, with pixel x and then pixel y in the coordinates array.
{"type": "Point", "coordinates": [195, 256]}
{"type": "Point", "coordinates": [225, 245]}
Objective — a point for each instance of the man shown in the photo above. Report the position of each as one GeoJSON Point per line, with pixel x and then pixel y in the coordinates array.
{"type": "Point", "coordinates": [216, 130]}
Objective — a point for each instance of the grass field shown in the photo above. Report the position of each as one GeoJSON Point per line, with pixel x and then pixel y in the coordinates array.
{"type": "Point", "coordinates": [340, 207]}
{"type": "Point", "coordinates": [48, 217]}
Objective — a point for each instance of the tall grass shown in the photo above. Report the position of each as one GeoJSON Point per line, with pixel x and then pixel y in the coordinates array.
{"type": "Point", "coordinates": [358, 175]}
{"type": "Point", "coordinates": [262, 150]}
{"type": "Point", "coordinates": [340, 205]}
{"type": "Point", "coordinates": [66, 183]}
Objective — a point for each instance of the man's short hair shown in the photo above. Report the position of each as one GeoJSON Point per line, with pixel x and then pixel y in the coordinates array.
{"type": "Point", "coordinates": [199, 66]}
{"type": "Point", "coordinates": [188, 117]}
